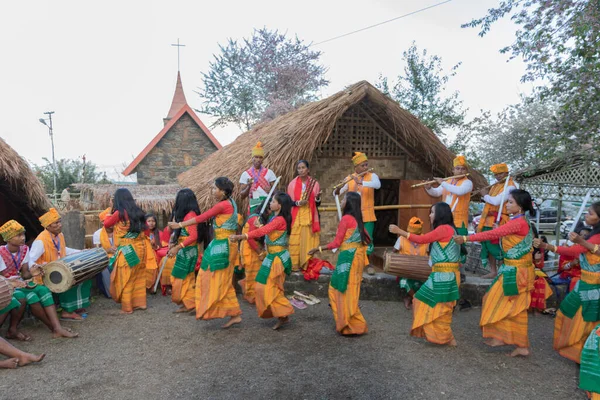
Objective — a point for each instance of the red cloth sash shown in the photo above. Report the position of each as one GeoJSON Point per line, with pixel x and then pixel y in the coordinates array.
{"type": "Point", "coordinates": [7, 257]}
{"type": "Point", "coordinates": [316, 227]}
{"type": "Point", "coordinates": [258, 179]}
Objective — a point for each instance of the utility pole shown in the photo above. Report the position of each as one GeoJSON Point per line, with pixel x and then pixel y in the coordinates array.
{"type": "Point", "coordinates": [49, 125]}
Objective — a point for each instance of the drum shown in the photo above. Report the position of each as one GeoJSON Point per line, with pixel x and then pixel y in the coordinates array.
{"type": "Point", "coordinates": [407, 266]}
{"type": "Point", "coordinates": [63, 274]}
{"type": "Point", "coordinates": [6, 292]}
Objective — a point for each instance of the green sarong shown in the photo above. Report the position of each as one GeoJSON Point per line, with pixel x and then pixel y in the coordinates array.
{"type": "Point", "coordinates": [14, 303]}
{"type": "Point", "coordinates": [77, 297]}
{"type": "Point", "coordinates": [589, 372]}
{"type": "Point", "coordinates": [36, 294]}
{"type": "Point", "coordinates": [216, 255]}
{"type": "Point", "coordinates": [441, 287]}
{"type": "Point", "coordinates": [128, 252]}
{"type": "Point", "coordinates": [488, 248]}
{"type": "Point", "coordinates": [341, 273]}
{"type": "Point", "coordinates": [463, 231]}
{"type": "Point", "coordinates": [370, 228]}
{"type": "Point", "coordinates": [410, 284]}
{"type": "Point", "coordinates": [509, 272]}
{"type": "Point", "coordinates": [185, 260]}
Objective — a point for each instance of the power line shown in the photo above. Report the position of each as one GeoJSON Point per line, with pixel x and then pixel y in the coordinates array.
{"type": "Point", "coordinates": [381, 23]}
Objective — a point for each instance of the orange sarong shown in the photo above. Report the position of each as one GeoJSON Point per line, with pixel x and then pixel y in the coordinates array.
{"type": "Point", "coordinates": [251, 264]}
{"type": "Point", "coordinates": [128, 284]}
{"type": "Point", "coordinates": [270, 299]}
{"type": "Point", "coordinates": [183, 291]}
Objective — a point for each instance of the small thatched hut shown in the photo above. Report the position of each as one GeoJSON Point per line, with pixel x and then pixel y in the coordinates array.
{"type": "Point", "coordinates": [22, 196]}
{"type": "Point", "coordinates": [326, 133]}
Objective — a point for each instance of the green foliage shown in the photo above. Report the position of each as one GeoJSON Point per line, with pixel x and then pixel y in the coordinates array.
{"type": "Point", "coordinates": [260, 78]}
{"type": "Point", "coordinates": [67, 172]}
{"type": "Point", "coordinates": [421, 90]}
{"type": "Point", "coordinates": [559, 40]}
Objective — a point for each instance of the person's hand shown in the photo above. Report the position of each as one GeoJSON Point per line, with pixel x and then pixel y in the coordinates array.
{"type": "Point", "coordinates": [112, 250]}
{"type": "Point", "coordinates": [495, 225]}
{"type": "Point", "coordinates": [302, 203]}
{"type": "Point", "coordinates": [313, 251]}
{"type": "Point", "coordinates": [395, 229]}
{"type": "Point", "coordinates": [439, 180]}
{"type": "Point", "coordinates": [458, 239]}
{"type": "Point", "coordinates": [575, 238]}
{"type": "Point", "coordinates": [36, 270]}
{"type": "Point", "coordinates": [356, 179]}
{"type": "Point", "coordinates": [173, 251]}
{"type": "Point", "coordinates": [537, 242]}
{"type": "Point", "coordinates": [173, 225]}
{"type": "Point", "coordinates": [257, 223]}
{"type": "Point", "coordinates": [538, 256]}
{"type": "Point", "coordinates": [484, 192]}
{"type": "Point", "coordinates": [567, 266]}
{"type": "Point", "coordinates": [428, 186]}
{"type": "Point", "coordinates": [236, 238]}
{"type": "Point", "coordinates": [17, 282]}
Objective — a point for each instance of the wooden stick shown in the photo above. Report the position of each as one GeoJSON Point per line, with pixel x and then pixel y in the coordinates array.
{"type": "Point", "coordinates": [474, 193]}
{"type": "Point", "coordinates": [416, 185]}
{"type": "Point", "coordinates": [340, 185]}
{"type": "Point", "coordinates": [389, 207]}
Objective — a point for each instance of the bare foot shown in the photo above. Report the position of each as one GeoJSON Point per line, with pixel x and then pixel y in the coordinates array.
{"type": "Point", "coordinates": [126, 312]}
{"type": "Point", "coordinates": [181, 309]}
{"type": "Point", "coordinates": [140, 308]}
{"type": "Point", "coordinates": [11, 363]}
{"type": "Point", "coordinates": [18, 336]}
{"type": "Point", "coordinates": [520, 352]}
{"type": "Point", "coordinates": [232, 321]}
{"type": "Point", "coordinates": [452, 343]}
{"type": "Point", "coordinates": [280, 322]}
{"type": "Point", "coordinates": [491, 275]}
{"type": "Point", "coordinates": [408, 303]}
{"type": "Point", "coordinates": [73, 316]}
{"type": "Point", "coordinates": [30, 358]}
{"type": "Point", "coordinates": [63, 332]}
{"type": "Point", "coordinates": [494, 342]}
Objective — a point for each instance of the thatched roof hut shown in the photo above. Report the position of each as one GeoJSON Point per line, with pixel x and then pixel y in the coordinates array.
{"type": "Point", "coordinates": [326, 132]}
{"type": "Point", "coordinates": [22, 196]}
{"type": "Point", "coordinates": [157, 198]}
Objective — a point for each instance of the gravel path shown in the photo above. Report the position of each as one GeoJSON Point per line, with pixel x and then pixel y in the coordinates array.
{"type": "Point", "coordinates": [156, 354]}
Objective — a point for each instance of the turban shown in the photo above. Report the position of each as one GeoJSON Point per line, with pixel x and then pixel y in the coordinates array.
{"type": "Point", "coordinates": [104, 214]}
{"type": "Point", "coordinates": [50, 217]}
{"type": "Point", "coordinates": [359, 158]}
{"type": "Point", "coordinates": [499, 168]}
{"type": "Point", "coordinates": [415, 225]}
{"type": "Point", "coordinates": [11, 229]}
{"type": "Point", "coordinates": [258, 150]}
{"type": "Point", "coordinates": [460, 160]}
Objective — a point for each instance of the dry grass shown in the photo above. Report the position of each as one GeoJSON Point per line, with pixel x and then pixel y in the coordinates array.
{"type": "Point", "coordinates": [157, 198]}
{"type": "Point", "coordinates": [587, 157]}
{"type": "Point", "coordinates": [299, 134]}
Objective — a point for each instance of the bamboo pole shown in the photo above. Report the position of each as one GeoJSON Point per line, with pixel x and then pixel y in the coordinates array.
{"type": "Point", "coordinates": [416, 185]}
{"type": "Point", "coordinates": [390, 207]}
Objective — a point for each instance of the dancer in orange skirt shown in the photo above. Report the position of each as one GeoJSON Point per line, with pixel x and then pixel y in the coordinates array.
{"type": "Point", "coordinates": [270, 299]}
{"type": "Point", "coordinates": [344, 288]}
{"type": "Point", "coordinates": [215, 294]}
{"type": "Point", "coordinates": [505, 305]}
{"type": "Point", "coordinates": [252, 253]}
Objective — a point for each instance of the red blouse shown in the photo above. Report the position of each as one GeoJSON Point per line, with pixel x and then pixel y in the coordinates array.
{"type": "Point", "coordinates": [577, 249]}
{"type": "Point", "coordinates": [191, 229]}
{"type": "Point", "coordinates": [113, 219]}
{"type": "Point", "coordinates": [516, 226]}
{"type": "Point", "coordinates": [442, 233]}
{"type": "Point", "coordinates": [251, 228]}
{"type": "Point", "coordinates": [276, 224]}
{"type": "Point", "coordinates": [347, 222]}
{"type": "Point", "coordinates": [222, 207]}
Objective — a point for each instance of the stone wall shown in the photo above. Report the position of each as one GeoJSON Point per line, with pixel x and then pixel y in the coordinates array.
{"type": "Point", "coordinates": [182, 147]}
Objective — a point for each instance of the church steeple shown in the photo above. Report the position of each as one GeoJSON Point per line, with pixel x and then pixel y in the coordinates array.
{"type": "Point", "coordinates": [178, 99]}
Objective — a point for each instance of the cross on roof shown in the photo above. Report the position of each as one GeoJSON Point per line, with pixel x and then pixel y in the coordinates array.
{"type": "Point", "coordinates": [178, 47]}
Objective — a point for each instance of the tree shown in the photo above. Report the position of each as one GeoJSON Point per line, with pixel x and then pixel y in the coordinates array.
{"type": "Point", "coordinates": [67, 173]}
{"type": "Point", "coordinates": [421, 90]}
{"type": "Point", "coordinates": [559, 41]}
{"type": "Point", "coordinates": [260, 78]}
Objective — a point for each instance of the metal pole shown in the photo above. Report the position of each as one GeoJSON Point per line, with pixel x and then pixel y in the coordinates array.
{"type": "Point", "coordinates": [49, 113]}
{"type": "Point", "coordinates": [558, 215]}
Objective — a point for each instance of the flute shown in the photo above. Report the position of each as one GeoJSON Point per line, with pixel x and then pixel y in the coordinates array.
{"type": "Point", "coordinates": [434, 181]}
{"type": "Point", "coordinates": [351, 177]}
{"type": "Point", "coordinates": [487, 187]}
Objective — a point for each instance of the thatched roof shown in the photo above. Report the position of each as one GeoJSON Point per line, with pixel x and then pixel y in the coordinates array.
{"type": "Point", "coordinates": [298, 135]}
{"type": "Point", "coordinates": [21, 190]}
{"type": "Point", "coordinates": [157, 198]}
{"type": "Point", "coordinates": [586, 157]}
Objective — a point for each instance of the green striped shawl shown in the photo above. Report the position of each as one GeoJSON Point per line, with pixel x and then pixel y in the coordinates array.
{"type": "Point", "coordinates": [128, 252]}
{"type": "Point", "coordinates": [341, 273]}
{"type": "Point", "coordinates": [520, 250]}
{"type": "Point", "coordinates": [284, 256]}
{"type": "Point", "coordinates": [216, 255]}
{"type": "Point", "coordinates": [589, 373]}
{"type": "Point", "coordinates": [441, 287]}
{"type": "Point", "coordinates": [584, 295]}
{"type": "Point", "coordinates": [186, 259]}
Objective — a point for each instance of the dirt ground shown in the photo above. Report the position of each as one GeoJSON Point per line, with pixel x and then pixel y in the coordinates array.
{"type": "Point", "coordinates": [156, 354]}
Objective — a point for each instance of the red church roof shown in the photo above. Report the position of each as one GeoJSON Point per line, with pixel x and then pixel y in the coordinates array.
{"type": "Point", "coordinates": [179, 107]}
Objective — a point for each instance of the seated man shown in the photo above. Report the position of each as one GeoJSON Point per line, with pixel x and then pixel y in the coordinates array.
{"type": "Point", "coordinates": [17, 358]}
{"type": "Point", "coordinates": [15, 309]}
{"type": "Point", "coordinates": [14, 265]}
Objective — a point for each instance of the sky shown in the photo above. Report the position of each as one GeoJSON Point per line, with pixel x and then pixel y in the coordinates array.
{"type": "Point", "coordinates": [108, 69]}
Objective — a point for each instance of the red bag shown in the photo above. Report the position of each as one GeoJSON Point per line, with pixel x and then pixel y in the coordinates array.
{"type": "Point", "coordinates": [313, 268]}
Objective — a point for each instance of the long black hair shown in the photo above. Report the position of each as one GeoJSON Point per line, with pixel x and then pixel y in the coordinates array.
{"type": "Point", "coordinates": [596, 228]}
{"type": "Point", "coordinates": [185, 201]}
{"type": "Point", "coordinates": [124, 203]}
{"type": "Point", "coordinates": [225, 185]}
{"type": "Point", "coordinates": [442, 215]}
{"type": "Point", "coordinates": [285, 201]}
{"type": "Point", "coordinates": [523, 200]}
{"type": "Point", "coordinates": [353, 208]}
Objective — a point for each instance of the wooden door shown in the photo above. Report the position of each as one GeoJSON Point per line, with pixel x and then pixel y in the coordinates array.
{"type": "Point", "coordinates": [409, 195]}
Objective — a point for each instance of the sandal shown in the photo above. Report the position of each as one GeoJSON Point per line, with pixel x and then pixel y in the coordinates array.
{"type": "Point", "coordinates": [299, 304]}
{"type": "Point", "coordinates": [305, 298]}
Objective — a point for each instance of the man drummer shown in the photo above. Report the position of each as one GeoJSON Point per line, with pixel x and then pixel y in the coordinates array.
{"type": "Point", "coordinates": [364, 183]}
{"type": "Point", "coordinates": [491, 252]}
{"type": "Point", "coordinates": [256, 181]}
{"type": "Point", "coordinates": [14, 266]}
{"type": "Point", "coordinates": [50, 246]}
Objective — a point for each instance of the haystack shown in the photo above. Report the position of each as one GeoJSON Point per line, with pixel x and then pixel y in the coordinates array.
{"type": "Point", "coordinates": [22, 196]}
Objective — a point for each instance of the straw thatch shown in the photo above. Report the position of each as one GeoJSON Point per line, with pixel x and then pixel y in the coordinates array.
{"type": "Point", "coordinates": [156, 198]}
{"type": "Point", "coordinates": [22, 194]}
{"type": "Point", "coordinates": [581, 160]}
{"type": "Point", "coordinates": [299, 134]}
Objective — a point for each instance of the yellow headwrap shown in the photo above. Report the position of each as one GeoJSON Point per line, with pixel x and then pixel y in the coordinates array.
{"type": "Point", "coordinates": [258, 150]}
{"type": "Point", "coordinates": [359, 158]}
{"type": "Point", "coordinates": [415, 225]}
{"type": "Point", "coordinates": [50, 217]}
{"type": "Point", "coordinates": [104, 214]}
{"type": "Point", "coordinates": [499, 168]}
{"type": "Point", "coordinates": [11, 229]}
{"type": "Point", "coordinates": [460, 160]}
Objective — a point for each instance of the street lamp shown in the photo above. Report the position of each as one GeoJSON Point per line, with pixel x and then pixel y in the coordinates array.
{"type": "Point", "coordinates": [49, 125]}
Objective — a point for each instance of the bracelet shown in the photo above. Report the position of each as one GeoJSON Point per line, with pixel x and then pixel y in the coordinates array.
{"type": "Point", "coordinates": [466, 238]}
{"type": "Point", "coordinates": [181, 226]}
{"type": "Point", "coordinates": [181, 245]}
{"type": "Point", "coordinates": [320, 249]}
{"type": "Point", "coordinates": [407, 235]}
{"type": "Point", "coordinates": [595, 249]}
{"type": "Point", "coordinates": [245, 235]}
